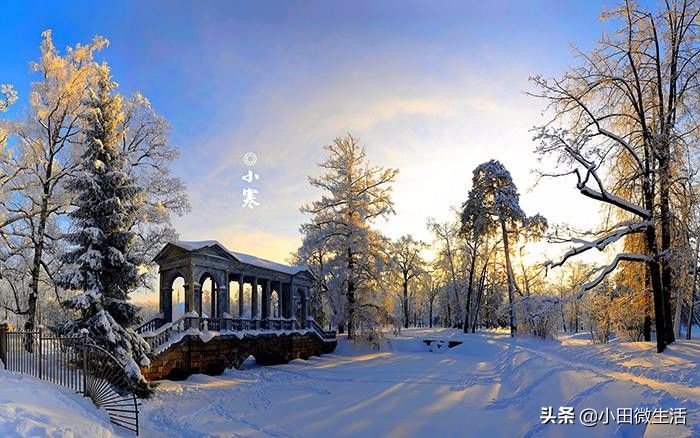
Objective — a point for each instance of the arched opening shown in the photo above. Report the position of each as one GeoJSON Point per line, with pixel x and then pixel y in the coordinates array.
{"type": "Point", "coordinates": [247, 300]}
{"type": "Point", "coordinates": [208, 301]}
{"type": "Point", "coordinates": [274, 304]}
{"type": "Point", "coordinates": [178, 297]}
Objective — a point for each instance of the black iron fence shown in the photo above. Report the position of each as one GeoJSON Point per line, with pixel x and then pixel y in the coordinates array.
{"type": "Point", "coordinates": [75, 363]}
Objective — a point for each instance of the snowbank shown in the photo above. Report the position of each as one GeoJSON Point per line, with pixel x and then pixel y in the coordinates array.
{"type": "Point", "coordinates": [31, 407]}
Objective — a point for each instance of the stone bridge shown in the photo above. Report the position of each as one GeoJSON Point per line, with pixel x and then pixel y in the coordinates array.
{"type": "Point", "coordinates": [267, 316]}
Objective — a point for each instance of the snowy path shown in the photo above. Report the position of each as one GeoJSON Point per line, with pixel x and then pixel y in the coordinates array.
{"type": "Point", "coordinates": [490, 385]}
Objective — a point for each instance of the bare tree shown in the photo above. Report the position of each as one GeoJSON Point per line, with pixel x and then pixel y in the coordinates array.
{"type": "Point", "coordinates": [45, 149]}
{"type": "Point", "coordinates": [407, 261]}
{"type": "Point", "coordinates": [446, 233]}
{"type": "Point", "coordinates": [629, 97]}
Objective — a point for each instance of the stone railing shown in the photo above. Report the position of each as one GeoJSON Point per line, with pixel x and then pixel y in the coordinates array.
{"type": "Point", "coordinates": [162, 334]}
{"type": "Point", "coordinates": [326, 335]}
{"type": "Point", "coordinates": [157, 332]}
{"type": "Point", "coordinates": [151, 325]}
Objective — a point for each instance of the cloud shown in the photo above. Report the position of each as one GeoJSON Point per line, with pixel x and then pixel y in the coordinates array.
{"type": "Point", "coordinates": [434, 127]}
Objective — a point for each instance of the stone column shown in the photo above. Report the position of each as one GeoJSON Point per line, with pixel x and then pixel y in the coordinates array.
{"type": "Point", "coordinates": [190, 300]}
{"type": "Point", "coordinates": [265, 311]}
{"type": "Point", "coordinates": [305, 307]}
{"type": "Point", "coordinates": [197, 294]}
{"type": "Point", "coordinates": [189, 297]}
{"type": "Point", "coordinates": [241, 307]}
{"type": "Point", "coordinates": [284, 300]}
{"type": "Point", "coordinates": [254, 299]}
{"type": "Point", "coordinates": [292, 300]}
{"type": "Point", "coordinates": [224, 297]}
{"type": "Point", "coordinates": [165, 303]}
{"type": "Point", "coordinates": [277, 289]}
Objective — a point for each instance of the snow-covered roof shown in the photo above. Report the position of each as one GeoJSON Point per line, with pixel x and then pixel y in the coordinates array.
{"type": "Point", "coordinates": [241, 257]}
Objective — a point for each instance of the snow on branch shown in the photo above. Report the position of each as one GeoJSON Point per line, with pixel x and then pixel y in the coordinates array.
{"type": "Point", "coordinates": [573, 148]}
{"type": "Point", "coordinates": [623, 229]}
{"type": "Point", "coordinates": [605, 270]}
{"type": "Point", "coordinates": [605, 196]}
{"type": "Point", "coordinates": [547, 303]}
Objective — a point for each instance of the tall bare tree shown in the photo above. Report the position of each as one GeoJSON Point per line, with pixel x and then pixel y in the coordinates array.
{"type": "Point", "coordinates": [45, 150]}
{"type": "Point", "coordinates": [630, 96]}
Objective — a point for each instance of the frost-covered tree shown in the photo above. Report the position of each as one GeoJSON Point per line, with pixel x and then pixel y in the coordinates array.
{"type": "Point", "coordinates": [35, 167]}
{"type": "Point", "coordinates": [634, 96]}
{"type": "Point", "coordinates": [8, 170]}
{"type": "Point", "coordinates": [44, 158]}
{"type": "Point", "coordinates": [407, 265]}
{"type": "Point", "coordinates": [493, 205]}
{"type": "Point", "coordinates": [101, 264]}
{"type": "Point", "coordinates": [445, 234]}
{"type": "Point", "coordinates": [149, 154]}
{"type": "Point", "coordinates": [355, 194]}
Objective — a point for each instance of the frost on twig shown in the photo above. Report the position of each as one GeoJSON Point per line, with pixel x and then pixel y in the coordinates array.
{"type": "Point", "coordinates": [621, 230]}
{"type": "Point", "coordinates": [549, 302]}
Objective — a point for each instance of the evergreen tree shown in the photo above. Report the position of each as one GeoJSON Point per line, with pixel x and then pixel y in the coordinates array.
{"type": "Point", "coordinates": [493, 206]}
{"type": "Point", "coordinates": [104, 269]}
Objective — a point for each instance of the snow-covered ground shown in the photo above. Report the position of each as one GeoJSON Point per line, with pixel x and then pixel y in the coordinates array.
{"type": "Point", "coordinates": [488, 386]}
{"type": "Point", "coordinates": [33, 408]}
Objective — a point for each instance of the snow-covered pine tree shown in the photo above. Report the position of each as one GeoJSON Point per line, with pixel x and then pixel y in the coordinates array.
{"type": "Point", "coordinates": [103, 268]}
{"type": "Point", "coordinates": [492, 206]}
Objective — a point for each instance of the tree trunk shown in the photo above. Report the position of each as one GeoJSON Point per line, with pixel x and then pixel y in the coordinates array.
{"type": "Point", "coordinates": [449, 316]}
{"type": "Point", "coordinates": [351, 297]}
{"type": "Point", "coordinates": [32, 304]}
{"type": "Point", "coordinates": [452, 273]}
{"type": "Point", "coordinates": [657, 289]}
{"type": "Point", "coordinates": [430, 313]}
{"type": "Point", "coordinates": [469, 291]}
{"type": "Point", "coordinates": [405, 303]}
{"type": "Point", "coordinates": [693, 291]}
{"type": "Point", "coordinates": [647, 310]}
{"type": "Point", "coordinates": [482, 282]}
{"type": "Point", "coordinates": [665, 213]}
{"type": "Point", "coordinates": [509, 271]}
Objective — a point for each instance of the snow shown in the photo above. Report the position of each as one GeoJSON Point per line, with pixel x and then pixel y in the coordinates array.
{"type": "Point", "coordinates": [490, 385]}
{"type": "Point", "coordinates": [208, 335]}
{"type": "Point", "coordinates": [241, 257]}
{"type": "Point", "coordinates": [31, 407]}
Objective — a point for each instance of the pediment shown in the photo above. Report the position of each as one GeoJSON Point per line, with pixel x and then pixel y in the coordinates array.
{"type": "Point", "coordinates": [215, 251]}
{"type": "Point", "coordinates": [168, 251]}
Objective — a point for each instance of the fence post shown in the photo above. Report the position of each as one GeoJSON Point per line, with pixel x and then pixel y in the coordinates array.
{"type": "Point", "coordinates": [85, 361]}
{"type": "Point", "coordinates": [41, 364]}
{"type": "Point", "coordinates": [4, 328]}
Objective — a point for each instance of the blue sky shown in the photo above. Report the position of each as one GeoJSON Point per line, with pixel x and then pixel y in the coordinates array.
{"type": "Point", "coordinates": [433, 88]}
